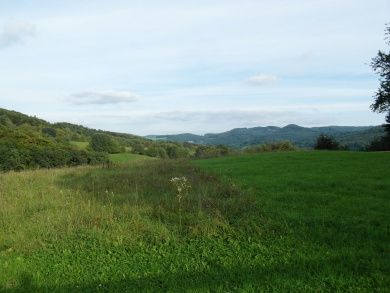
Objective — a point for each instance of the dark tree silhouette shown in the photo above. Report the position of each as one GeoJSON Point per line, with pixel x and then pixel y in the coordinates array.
{"type": "Point", "coordinates": [325, 142]}
{"type": "Point", "coordinates": [381, 65]}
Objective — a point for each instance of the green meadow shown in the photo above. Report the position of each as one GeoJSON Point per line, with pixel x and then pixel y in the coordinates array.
{"type": "Point", "coordinates": [285, 222]}
{"type": "Point", "coordinates": [125, 158]}
{"type": "Point", "coordinates": [81, 145]}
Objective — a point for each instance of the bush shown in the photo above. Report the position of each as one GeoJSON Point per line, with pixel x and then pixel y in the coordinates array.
{"type": "Point", "coordinates": [204, 152]}
{"type": "Point", "coordinates": [19, 157]}
{"type": "Point", "coordinates": [381, 144]}
{"type": "Point", "coordinates": [156, 151]}
{"type": "Point", "coordinates": [49, 131]}
{"type": "Point", "coordinates": [281, 146]}
{"type": "Point", "coordinates": [325, 142]}
{"type": "Point", "coordinates": [10, 159]}
{"type": "Point", "coordinates": [103, 143]}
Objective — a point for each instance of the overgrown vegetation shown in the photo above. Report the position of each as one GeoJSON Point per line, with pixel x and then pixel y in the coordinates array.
{"type": "Point", "coordinates": [326, 142]}
{"type": "Point", "coordinates": [101, 142]}
{"type": "Point", "coordinates": [28, 142]}
{"type": "Point", "coordinates": [281, 146]}
{"type": "Point", "coordinates": [281, 221]}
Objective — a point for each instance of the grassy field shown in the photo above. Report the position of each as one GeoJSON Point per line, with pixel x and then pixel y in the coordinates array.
{"type": "Point", "coordinates": [81, 145]}
{"type": "Point", "coordinates": [127, 158]}
{"type": "Point", "coordinates": [299, 221]}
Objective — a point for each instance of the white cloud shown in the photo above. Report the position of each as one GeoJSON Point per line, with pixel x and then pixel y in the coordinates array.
{"type": "Point", "coordinates": [262, 79]}
{"type": "Point", "coordinates": [15, 33]}
{"type": "Point", "coordinates": [103, 97]}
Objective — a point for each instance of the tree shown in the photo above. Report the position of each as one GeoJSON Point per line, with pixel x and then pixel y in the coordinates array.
{"type": "Point", "coordinates": [381, 66]}
{"type": "Point", "coordinates": [49, 131]}
{"type": "Point", "coordinates": [103, 143]}
{"type": "Point", "coordinates": [325, 142]}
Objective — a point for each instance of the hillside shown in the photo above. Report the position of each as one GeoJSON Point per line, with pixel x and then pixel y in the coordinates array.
{"type": "Point", "coordinates": [352, 136]}
{"type": "Point", "coordinates": [29, 142]}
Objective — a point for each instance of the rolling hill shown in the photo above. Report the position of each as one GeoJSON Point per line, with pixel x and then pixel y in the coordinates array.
{"type": "Point", "coordinates": [355, 137]}
{"type": "Point", "coordinates": [29, 142]}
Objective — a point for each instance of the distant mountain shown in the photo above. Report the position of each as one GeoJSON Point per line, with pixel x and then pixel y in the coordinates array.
{"type": "Point", "coordinates": [355, 137]}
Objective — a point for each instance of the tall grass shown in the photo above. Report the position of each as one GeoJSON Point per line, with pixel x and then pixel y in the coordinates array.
{"type": "Point", "coordinates": [127, 206]}
{"type": "Point", "coordinates": [298, 221]}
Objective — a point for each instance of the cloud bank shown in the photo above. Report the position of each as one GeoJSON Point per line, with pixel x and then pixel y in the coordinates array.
{"type": "Point", "coordinates": [103, 97]}
{"type": "Point", "coordinates": [16, 33]}
{"type": "Point", "coordinates": [262, 79]}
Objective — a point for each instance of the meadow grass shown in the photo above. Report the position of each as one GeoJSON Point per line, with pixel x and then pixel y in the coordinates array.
{"type": "Point", "coordinates": [299, 221]}
{"type": "Point", "coordinates": [81, 145]}
{"type": "Point", "coordinates": [333, 211]}
{"type": "Point", "coordinates": [127, 157]}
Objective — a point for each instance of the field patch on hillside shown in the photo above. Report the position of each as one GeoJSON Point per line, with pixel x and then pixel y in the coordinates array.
{"type": "Point", "coordinates": [81, 145]}
{"type": "Point", "coordinates": [127, 157]}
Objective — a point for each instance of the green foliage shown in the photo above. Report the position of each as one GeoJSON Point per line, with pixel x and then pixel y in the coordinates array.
{"type": "Point", "coordinates": [137, 147]}
{"type": "Point", "coordinates": [18, 119]}
{"type": "Point", "coordinates": [381, 65]}
{"type": "Point", "coordinates": [11, 159]}
{"type": "Point", "coordinates": [27, 142]}
{"type": "Point", "coordinates": [20, 157]}
{"type": "Point", "coordinates": [49, 131]}
{"type": "Point", "coordinates": [101, 142]}
{"type": "Point", "coordinates": [157, 152]}
{"type": "Point", "coordinates": [281, 146]}
{"type": "Point", "coordinates": [4, 120]}
{"type": "Point", "coordinates": [204, 152]}
{"type": "Point", "coordinates": [380, 144]}
{"type": "Point", "coordinates": [325, 142]}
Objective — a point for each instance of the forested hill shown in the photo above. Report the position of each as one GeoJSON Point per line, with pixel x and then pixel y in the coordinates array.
{"type": "Point", "coordinates": [351, 136]}
{"type": "Point", "coordinates": [29, 142]}
{"type": "Point", "coordinates": [35, 130]}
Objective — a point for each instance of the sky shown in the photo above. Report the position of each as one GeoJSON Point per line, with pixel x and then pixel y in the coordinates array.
{"type": "Point", "coordinates": [165, 67]}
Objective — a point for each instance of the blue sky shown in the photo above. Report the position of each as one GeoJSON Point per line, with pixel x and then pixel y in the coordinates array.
{"type": "Point", "coordinates": [156, 67]}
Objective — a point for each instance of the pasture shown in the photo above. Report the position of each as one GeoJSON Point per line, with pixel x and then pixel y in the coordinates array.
{"type": "Point", "coordinates": [288, 221]}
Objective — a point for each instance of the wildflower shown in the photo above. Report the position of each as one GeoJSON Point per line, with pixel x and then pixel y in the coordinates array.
{"type": "Point", "coordinates": [182, 186]}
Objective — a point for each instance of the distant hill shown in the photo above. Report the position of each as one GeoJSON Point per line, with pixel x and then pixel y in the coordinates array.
{"type": "Point", "coordinates": [355, 137]}
{"type": "Point", "coordinates": [29, 142]}
{"type": "Point", "coordinates": [62, 132]}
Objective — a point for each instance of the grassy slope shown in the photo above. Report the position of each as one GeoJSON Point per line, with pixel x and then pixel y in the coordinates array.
{"type": "Point", "coordinates": [127, 158]}
{"type": "Point", "coordinates": [81, 145]}
{"type": "Point", "coordinates": [305, 221]}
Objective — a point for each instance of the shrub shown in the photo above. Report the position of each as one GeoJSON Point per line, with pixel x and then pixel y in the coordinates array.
{"type": "Point", "coordinates": [18, 157]}
{"type": "Point", "coordinates": [211, 151]}
{"type": "Point", "coordinates": [325, 142]}
{"type": "Point", "coordinates": [103, 143]}
{"type": "Point", "coordinates": [381, 144]}
{"type": "Point", "coordinates": [49, 131]}
{"type": "Point", "coordinates": [272, 147]}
